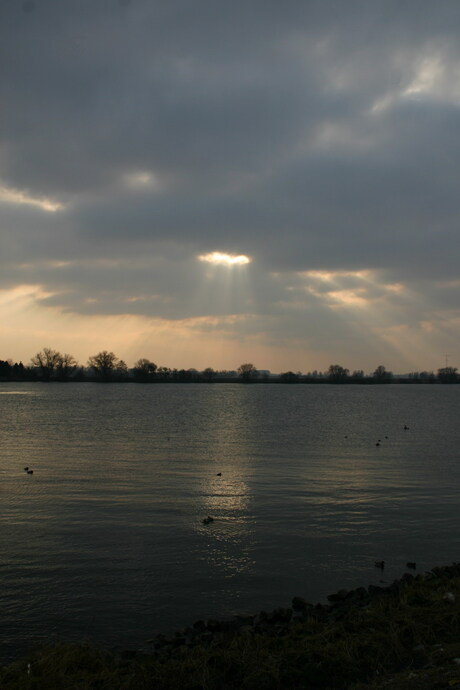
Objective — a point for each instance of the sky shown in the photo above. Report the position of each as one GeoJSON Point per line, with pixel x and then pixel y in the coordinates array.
{"type": "Point", "coordinates": [205, 183]}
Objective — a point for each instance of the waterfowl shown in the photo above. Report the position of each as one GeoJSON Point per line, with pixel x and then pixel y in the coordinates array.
{"type": "Point", "coordinates": [207, 520]}
{"type": "Point", "coordinates": [379, 564]}
{"type": "Point", "coordinates": [219, 474]}
{"type": "Point", "coordinates": [412, 565]}
{"type": "Point", "coordinates": [406, 428]}
{"type": "Point", "coordinates": [377, 444]}
{"type": "Point", "coordinates": [26, 469]}
{"type": "Point", "coordinates": [30, 471]}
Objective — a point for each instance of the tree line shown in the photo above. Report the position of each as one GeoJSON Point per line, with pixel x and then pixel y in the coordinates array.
{"type": "Point", "coordinates": [52, 365]}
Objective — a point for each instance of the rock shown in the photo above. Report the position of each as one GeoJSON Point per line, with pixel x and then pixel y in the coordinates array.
{"type": "Point", "coordinates": [246, 630]}
{"type": "Point", "coordinates": [319, 612]}
{"type": "Point", "coordinates": [361, 592]}
{"type": "Point", "coordinates": [279, 616]}
{"type": "Point", "coordinates": [299, 604]}
{"type": "Point", "coordinates": [395, 587]}
{"type": "Point", "coordinates": [160, 642]}
{"type": "Point", "coordinates": [129, 654]}
{"type": "Point", "coordinates": [341, 595]}
{"type": "Point", "coordinates": [206, 637]}
{"type": "Point", "coordinates": [407, 577]}
{"type": "Point", "coordinates": [244, 620]}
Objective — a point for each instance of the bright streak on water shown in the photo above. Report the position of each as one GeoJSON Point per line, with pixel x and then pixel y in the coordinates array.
{"type": "Point", "coordinates": [106, 541]}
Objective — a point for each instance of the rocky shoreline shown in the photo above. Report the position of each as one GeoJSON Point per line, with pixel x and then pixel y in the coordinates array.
{"type": "Point", "coordinates": [404, 636]}
{"type": "Point", "coordinates": [279, 621]}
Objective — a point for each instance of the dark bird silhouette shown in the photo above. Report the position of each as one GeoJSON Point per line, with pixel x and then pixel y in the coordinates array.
{"type": "Point", "coordinates": [219, 474]}
{"type": "Point", "coordinates": [412, 565]}
{"type": "Point", "coordinates": [377, 444]}
{"type": "Point", "coordinates": [379, 564]}
{"type": "Point", "coordinates": [208, 520]}
{"type": "Point", "coordinates": [406, 428]}
{"type": "Point", "coordinates": [30, 471]}
{"type": "Point", "coordinates": [26, 469]}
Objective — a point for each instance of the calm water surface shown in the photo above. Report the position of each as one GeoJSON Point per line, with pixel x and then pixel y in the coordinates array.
{"type": "Point", "coordinates": [105, 540]}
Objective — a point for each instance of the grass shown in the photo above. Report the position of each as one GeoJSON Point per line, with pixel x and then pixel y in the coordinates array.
{"type": "Point", "coordinates": [408, 638]}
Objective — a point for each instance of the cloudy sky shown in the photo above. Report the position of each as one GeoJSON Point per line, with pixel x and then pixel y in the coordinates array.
{"type": "Point", "coordinates": [144, 144]}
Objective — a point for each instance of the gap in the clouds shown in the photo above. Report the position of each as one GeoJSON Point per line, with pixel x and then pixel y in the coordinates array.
{"type": "Point", "coordinates": [221, 258]}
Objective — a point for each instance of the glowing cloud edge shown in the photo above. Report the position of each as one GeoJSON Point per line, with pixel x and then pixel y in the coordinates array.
{"type": "Point", "coordinates": [225, 259]}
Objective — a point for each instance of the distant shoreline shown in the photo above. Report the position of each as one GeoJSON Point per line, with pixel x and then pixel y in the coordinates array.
{"type": "Point", "coordinates": [273, 379]}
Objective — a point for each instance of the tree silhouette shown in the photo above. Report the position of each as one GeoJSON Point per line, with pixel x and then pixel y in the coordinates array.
{"type": "Point", "coordinates": [289, 377]}
{"type": "Point", "coordinates": [448, 375]}
{"type": "Point", "coordinates": [47, 360]}
{"type": "Point", "coordinates": [144, 370]}
{"type": "Point", "coordinates": [164, 373]}
{"type": "Point", "coordinates": [66, 366]}
{"type": "Point", "coordinates": [5, 368]}
{"type": "Point", "coordinates": [121, 370]}
{"type": "Point", "coordinates": [382, 375]}
{"type": "Point", "coordinates": [103, 364]}
{"type": "Point", "coordinates": [209, 374]}
{"type": "Point", "coordinates": [337, 374]}
{"type": "Point", "coordinates": [247, 372]}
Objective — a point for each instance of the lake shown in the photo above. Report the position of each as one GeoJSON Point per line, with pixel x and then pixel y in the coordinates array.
{"type": "Point", "coordinates": [105, 541]}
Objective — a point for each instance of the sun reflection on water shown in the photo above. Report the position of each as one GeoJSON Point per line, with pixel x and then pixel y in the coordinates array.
{"type": "Point", "coordinates": [226, 496]}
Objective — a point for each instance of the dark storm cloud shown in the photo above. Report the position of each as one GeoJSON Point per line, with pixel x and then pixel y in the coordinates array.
{"type": "Point", "coordinates": [309, 135]}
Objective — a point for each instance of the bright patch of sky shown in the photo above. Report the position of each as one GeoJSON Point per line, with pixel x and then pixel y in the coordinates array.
{"type": "Point", "coordinates": [221, 258]}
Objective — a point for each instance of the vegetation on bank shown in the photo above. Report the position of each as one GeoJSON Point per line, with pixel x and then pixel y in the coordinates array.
{"type": "Point", "coordinates": [406, 635]}
{"type": "Point", "coordinates": [51, 365]}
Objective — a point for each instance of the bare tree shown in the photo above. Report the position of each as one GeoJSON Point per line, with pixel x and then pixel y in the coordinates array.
{"type": "Point", "coordinates": [337, 374]}
{"type": "Point", "coordinates": [103, 364]}
{"type": "Point", "coordinates": [66, 365]}
{"type": "Point", "coordinates": [47, 360]}
{"type": "Point", "coordinates": [290, 377]}
{"type": "Point", "coordinates": [164, 373]}
{"type": "Point", "coordinates": [144, 369]}
{"type": "Point", "coordinates": [448, 375]}
{"type": "Point", "coordinates": [247, 372]}
{"type": "Point", "coordinates": [382, 375]}
{"type": "Point", "coordinates": [121, 369]}
{"type": "Point", "coordinates": [209, 374]}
